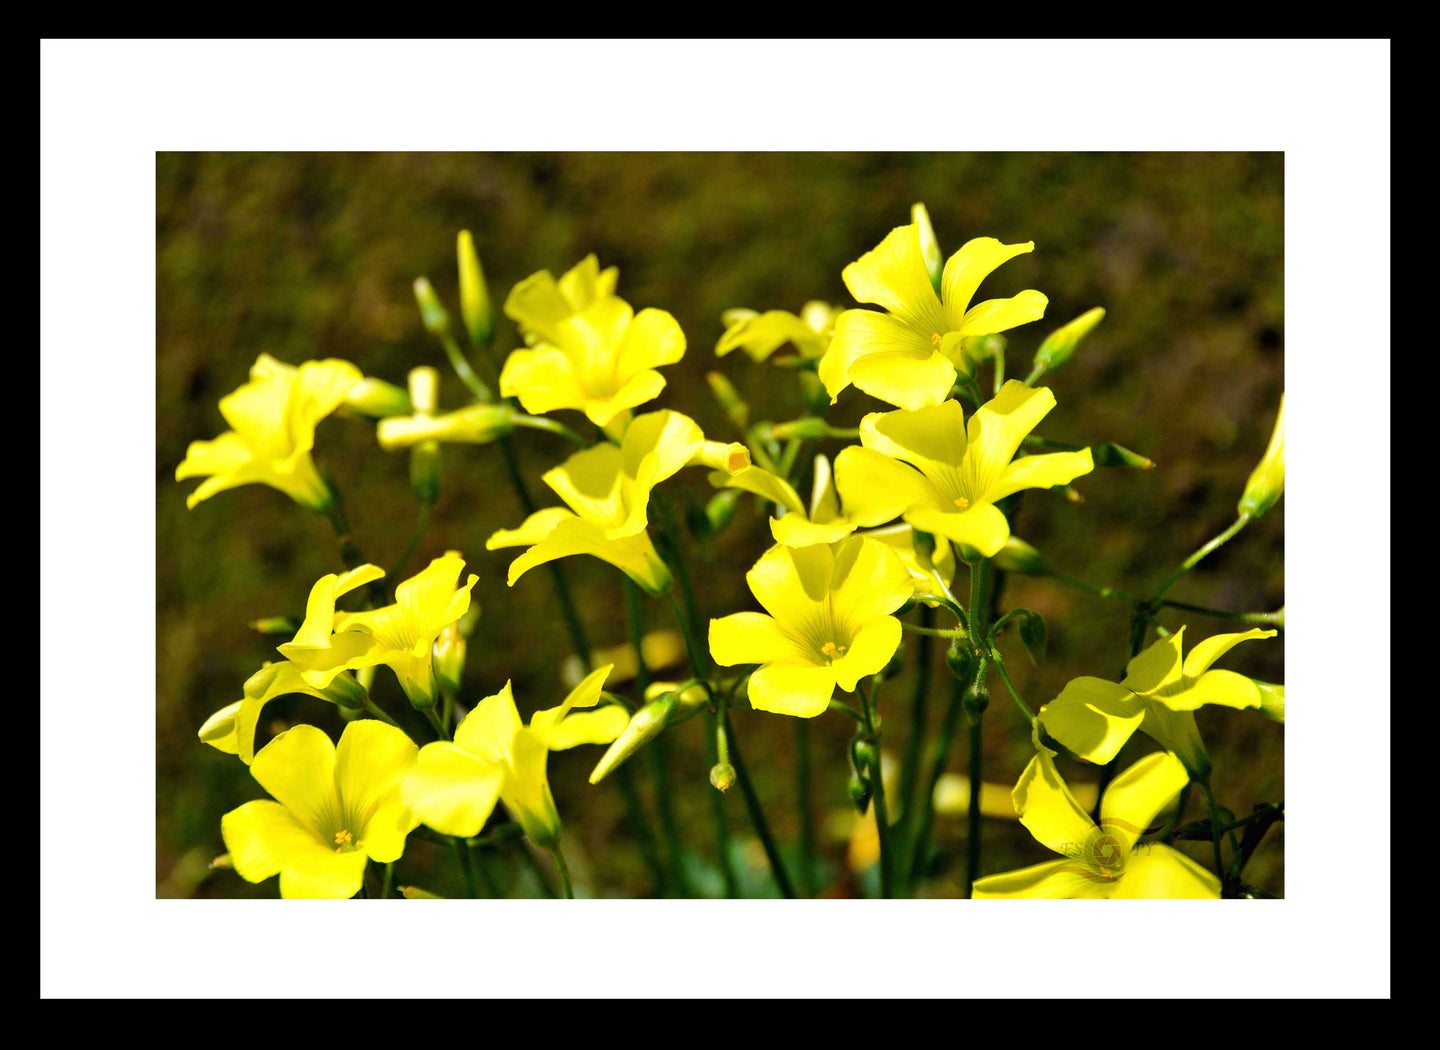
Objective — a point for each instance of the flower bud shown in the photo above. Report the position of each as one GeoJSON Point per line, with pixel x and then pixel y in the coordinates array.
{"type": "Point", "coordinates": [976, 698]}
{"type": "Point", "coordinates": [377, 399]}
{"type": "Point", "coordinates": [1034, 635]}
{"type": "Point", "coordinates": [644, 726]}
{"type": "Point", "coordinates": [432, 314]}
{"type": "Point", "coordinates": [1060, 345]}
{"type": "Point", "coordinates": [448, 657]}
{"type": "Point", "coordinates": [720, 511]}
{"type": "Point", "coordinates": [1272, 701]}
{"type": "Point", "coordinates": [980, 348]}
{"type": "Point", "coordinates": [275, 625]}
{"type": "Point", "coordinates": [929, 246]}
{"type": "Point", "coordinates": [1109, 454]}
{"type": "Point", "coordinates": [722, 776]}
{"type": "Point", "coordinates": [475, 306]}
{"type": "Point", "coordinates": [691, 699]}
{"type": "Point", "coordinates": [1267, 481]}
{"type": "Point", "coordinates": [219, 730]}
{"type": "Point", "coordinates": [425, 471]}
{"type": "Point", "coordinates": [811, 427]}
{"type": "Point", "coordinates": [717, 455]}
{"type": "Point", "coordinates": [924, 544]}
{"type": "Point", "coordinates": [730, 400]}
{"type": "Point", "coordinates": [960, 660]}
{"type": "Point", "coordinates": [345, 692]}
{"type": "Point", "coordinates": [424, 384]}
{"type": "Point", "coordinates": [222, 863]}
{"type": "Point", "coordinates": [864, 754]}
{"type": "Point", "coordinates": [813, 394]}
{"type": "Point", "coordinates": [473, 425]}
{"type": "Point", "coordinates": [1019, 556]}
{"type": "Point", "coordinates": [859, 790]}
{"type": "Point", "coordinates": [415, 893]}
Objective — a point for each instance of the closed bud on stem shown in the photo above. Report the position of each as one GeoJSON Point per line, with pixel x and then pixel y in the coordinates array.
{"type": "Point", "coordinates": [275, 625]}
{"type": "Point", "coordinates": [432, 314]}
{"type": "Point", "coordinates": [864, 754]}
{"type": "Point", "coordinates": [1272, 701]}
{"type": "Point", "coordinates": [424, 384]}
{"type": "Point", "coordinates": [722, 776]}
{"type": "Point", "coordinates": [980, 348]}
{"type": "Point", "coordinates": [720, 511]}
{"type": "Point", "coordinates": [960, 660]}
{"type": "Point", "coordinates": [731, 458]}
{"type": "Point", "coordinates": [1060, 345]}
{"type": "Point", "coordinates": [415, 893]}
{"type": "Point", "coordinates": [929, 246]}
{"type": "Point", "coordinates": [475, 306]}
{"type": "Point", "coordinates": [644, 726]}
{"type": "Point", "coordinates": [811, 427]}
{"type": "Point", "coordinates": [730, 400]}
{"type": "Point", "coordinates": [859, 790]}
{"type": "Point", "coordinates": [346, 692]}
{"type": "Point", "coordinates": [377, 399]}
{"type": "Point", "coordinates": [1267, 481]}
{"type": "Point", "coordinates": [448, 657]}
{"type": "Point", "coordinates": [691, 699]}
{"type": "Point", "coordinates": [1109, 454]}
{"type": "Point", "coordinates": [222, 863]}
{"type": "Point", "coordinates": [1019, 556]}
{"type": "Point", "coordinates": [472, 425]}
{"type": "Point", "coordinates": [977, 697]}
{"type": "Point", "coordinates": [924, 544]}
{"type": "Point", "coordinates": [425, 471]}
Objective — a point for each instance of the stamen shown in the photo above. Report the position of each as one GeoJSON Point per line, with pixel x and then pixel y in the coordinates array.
{"type": "Point", "coordinates": [343, 838]}
{"type": "Point", "coordinates": [961, 502]}
{"type": "Point", "coordinates": [832, 651]}
{"type": "Point", "coordinates": [935, 340]}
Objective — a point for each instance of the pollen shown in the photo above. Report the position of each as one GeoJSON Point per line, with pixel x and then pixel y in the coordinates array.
{"type": "Point", "coordinates": [343, 838]}
{"type": "Point", "coordinates": [936, 340]}
{"type": "Point", "coordinates": [832, 651]}
{"type": "Point", "coordinates": [961, 502]}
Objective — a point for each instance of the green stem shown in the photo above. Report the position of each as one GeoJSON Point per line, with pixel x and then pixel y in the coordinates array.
{"type": "Point", "coordinates": [972, 811]}
{"type": "Point", "coordinates": [564, 871]}
{"type": "Point", "coordinates": [1195, 559]}
{"type": "Point", "coordinates": [1010, 687]}
{"type": "Point", "coordinates": [421, 525]}
{"type": "Point", "coordinates": [877, 799]}
{"type": "Point", "coordinates": [436, 724]}
{"type": "Point", "coordinates": [757, 815]}
{"type": "Point", "coordinates": [925, 814]}
{"type": "Point", "coordinates": [545, 423]}
{"type": "Point", "coordinates": [717, 811]}
{"type": "Point", "coordinates": [463, 370]}
{"type": "Point", "coordinates": [803, 801]}
{"type": "Point", "coordinates": [919, 701]}
{"type": "Point", "coordinates": [1259, 619]}
{"type": "Point", "coordinates": [387, 885]}
{"type": "Point", "coordinates": [467, 870]}
{"type": "Point", "coordinates": [373, 709]}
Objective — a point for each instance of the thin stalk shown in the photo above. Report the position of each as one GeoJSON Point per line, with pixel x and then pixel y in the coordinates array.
{"type": "Point", "coordinates": [877, 799]}
{"type": "Point", "coordinates": [462, 369]}
{"type": "Point", "coordinates": [1195, 559]}
{"type": "Point", "coordinates": [757, 815]}
{"type": "Point", "coordinates": [387, 885]}
{"type": "Point", "coordinates": [421, 525]}
{"type": "Point", "coordinates": [919, 701]}
{"type": "Point", "coordinates": [1269, 619]}
{"type": "Point", "coordinates": [1010, 687]}
{"type": "Point", "coordinates": [564, 871]}
{"type": "Point", "coordinates": [467, 869]}
{"type": "Point", "coordinates": [545, 423]}
{"type": "Point", "coordinates": [374, 710]}
{"type": "Point", "coordinates": [925, 813]}
{"type": "Point", "coordinates": [972, 811]}
{"type": "Point", "coordinates": [803, 801]}
{"type": "Point", "coordinates": [717, 812]}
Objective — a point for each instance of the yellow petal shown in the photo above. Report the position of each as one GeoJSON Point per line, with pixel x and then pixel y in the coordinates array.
{"type": "Point", "coordinates": [868, 581]}
{"type": "Point", "coordinates": [370, 761]}
{"type": "Point", "coordinates": [1137, 796]}
{"type": "Point", "coordinates": [433, 598]}
{"type": "Point", "coordinates": [877, 489]}
{"type": "Point", "coordinates": [969, 266]}
{"type": "Point", "coordinates": [861, 333]}
{"type": "Point", "coordinates": [1176, 732]}
{"type": "Point", "coordinates": [324, 875]}
{"type": "Point", "coordinates": [490, 729]}
{"type": "Point", "coordinates": [996, 430]}
{"type": "Point", "coordinates": [451, 789]}
{"type": "Point", "coordinates": [1225, 688]}
{"type": "Point", "coordinates": [260, 835]}
{"type": "Point", "coordinates": [793, 530]}
{"type": "Point", "coordinates": [753, 638]}
{"type": "Point", "coordinates": [526, 791]}
{"type": "Point", "coordinates": [1041, 472]}
{"type": "Point", "coordinates": [760, 335]}
{"type": "Point", "coordinates": [671, 438]}
{"type": "Point", "coordinates": [765, 485]}
{"type": "Point", "coordinates": [531, 531]}
{"type": "Point", "coordinates": [790, 582]}
{"type": "Point", "coordinates": [600, 726]}
{"type": "Point", "coordinates": [1052, 880]}
{"type": "Point", "coordinates": [635, 556]}
{"type": "Point", "coordinates": [870, 650]}
{"type": "Point", "coordinates": [1048, 809]}
{"type": "Point", "coordinates": [1001, 315]}
{"type": "Point", "coordinates": [219, 729]}
{"type": "Point", "coordinates": [1093, 718]}
{"type": "Point", "coordinates": [298, 769]}
{"type": "Point", "coordinates": [908, 378]}
{"type": "Point", "coordinates": [982, 530]}
{"type": "Point", "coordinates": [802, 690]}
{"type": "Point", "coordinates": [543, 378]}
{"type": "Point", "coordinates": [894, 275]}
{"type": "Point", "coordinates": [1158, 872]}
{"type": "Point", "coordinates": [590, 484]}
{"type": "Point", "coordinates": [1204, 654]}
{"type": "Point", "coordinates": [639, 389]}
{"type": "Point", "coordinates": [930, 439]}
{"type": "Point", "coordinates": [1156, 666]}
{"type": "Point", "coordinates": [652, 339]}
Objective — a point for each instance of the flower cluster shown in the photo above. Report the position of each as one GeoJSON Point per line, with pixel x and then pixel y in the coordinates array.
{"type": "Point", "coordinates": [925, 484]}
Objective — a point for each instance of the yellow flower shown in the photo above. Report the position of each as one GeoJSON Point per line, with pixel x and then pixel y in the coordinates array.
{"type": "Point", "coordinates": [1267, 481]}
{"type": "Point", "coordinates": [232, 728]}
{"type": "Point", "coordinates": [760, 335]}
{"type": "Point", "coordinates": [494, 757]}
{"type": "Point", "coordinates": [400, 636]}
{"type": "Point", "coordinates": [335, 809]}
{"type": "Point", "coordinates": [1094, 717]}
{"type": "Point", "coordinates": [539, 303]}
{"type": "Point", "coordinates": [608, 489]}
{"type": "Point", "coordinates": [944, 476]}
{"type": "Point", "coordinates": [907, 355]}
{"type": "Point", "coordinates": [273, 419]}
{"type": "Point", "coordinates": [590, 350]}
{"type": "Point", "coordinates": [1101, 861]}
{"type": "Point", "coordinates": [828, 622]}
{"type": "Point", "coordinates": [824, 522]}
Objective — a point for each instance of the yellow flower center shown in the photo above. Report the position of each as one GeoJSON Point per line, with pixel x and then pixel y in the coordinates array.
{"type": "Point", "coordinates": [345, 842]}
{"type": "Point", "coordinates": [961, 502]}
{"type": "Point", "coordinates": [936, 340]}
{"type": "Point", "coordinates": [833, 651]}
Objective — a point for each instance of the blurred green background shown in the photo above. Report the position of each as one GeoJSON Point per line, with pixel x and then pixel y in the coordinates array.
{"type": "Point", "coordinates": [312, 255]}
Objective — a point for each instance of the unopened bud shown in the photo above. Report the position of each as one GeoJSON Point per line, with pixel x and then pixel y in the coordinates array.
{"type": "Point", "coordinates": [222, 863]}
{"type": "Point", "coordinates": [859, 791]}
{"type": "Point", "coordinates": [960, 660]}
{"type": "Point", "coordinates": [275, 625]}
{"type": "Point", "coordinates": [1060, 345]}
{"type": "Point", "coordinates": [722, 776]}
{"type": "Point", "coordinates": [811, 428]}
{"type": "Point", "coordinates": [424, 384]}
{"type": "Point", "coordinates": [1019, 556]}
{"type": "Point", "coordinates": [377, 399]}
{"type": "Point", "coordinates": [1272, 701]}
{"type": "Point", "coordinates": [1267, 481]}
{"type": "Point", "coordinates": [644, 726]}
{"type": "Point", "coordinates": [448, 657]}
{"type": "Point", "coordinates": [1109, 454]}
{"type": "Point", "coordinates": [432, 314]}
{"type": "Point", "coordinates": [472, 425]}
{"type": "Point", "coordinates": [720, 510]}
{"type": "Point", "coordinates": [929, 246]}
{"type": "Point", "coordinates": [730, 400]}
{"type": "Point", "coordinates": [415, 893]}
{"type": "Point", "coordinates": [475, 305]}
